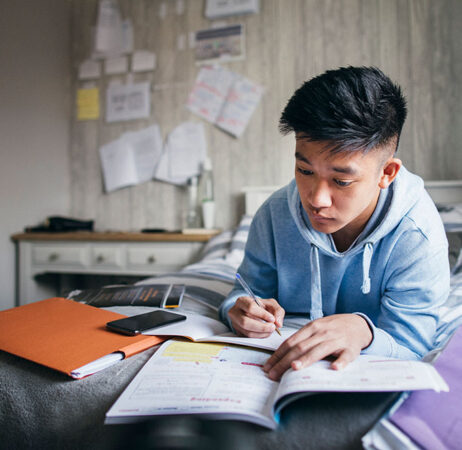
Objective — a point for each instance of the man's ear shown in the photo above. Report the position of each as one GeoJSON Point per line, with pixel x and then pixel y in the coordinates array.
{"type": "Point", "coordinates": [389, 172]}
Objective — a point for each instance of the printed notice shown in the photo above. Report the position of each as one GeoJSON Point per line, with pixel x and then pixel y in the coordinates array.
{"type": "Point", "coordinates": [128, 102]}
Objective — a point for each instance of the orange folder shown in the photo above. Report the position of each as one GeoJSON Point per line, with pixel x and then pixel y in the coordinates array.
{"type": "Point", "coordinates": [65, 335]}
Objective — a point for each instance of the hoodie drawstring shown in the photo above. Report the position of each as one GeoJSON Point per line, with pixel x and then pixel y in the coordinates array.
{"type": "Point", "coordinates": [316, 293]}
{"type": "Point", "coordinates": [367, 257]}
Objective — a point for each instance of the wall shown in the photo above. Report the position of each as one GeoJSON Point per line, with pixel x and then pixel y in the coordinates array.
{"type": "Point", "coordinates": [416, 42]}
{"type": "Point", "coordinates": [34, 121]}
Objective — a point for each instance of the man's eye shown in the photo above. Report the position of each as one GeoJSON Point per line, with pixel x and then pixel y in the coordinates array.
{"type": "Point", "coordinates": [343, 183]}
{"type": "Point", "coordinates": [304, 171]}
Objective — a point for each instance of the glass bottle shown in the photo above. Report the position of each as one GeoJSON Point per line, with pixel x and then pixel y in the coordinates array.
{"type": "Point", "coordinates": [192, 211]}
{"type": "Point", "coordinates": [207, 195]}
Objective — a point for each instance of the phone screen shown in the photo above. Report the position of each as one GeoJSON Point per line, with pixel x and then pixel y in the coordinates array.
{"type": "Point", "coordinates": [137, 324]}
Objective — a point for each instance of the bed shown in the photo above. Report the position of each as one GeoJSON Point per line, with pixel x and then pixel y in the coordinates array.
{"type": "Point", "coordinates": [41, 408]}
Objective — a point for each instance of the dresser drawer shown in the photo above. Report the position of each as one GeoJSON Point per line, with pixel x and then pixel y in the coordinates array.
{"type": "Point", "coordinates": [165, 255]}
{"type": "Point", "coordinates": [106, 256]}
{"type": "Point", "coordinates": [59, 255]}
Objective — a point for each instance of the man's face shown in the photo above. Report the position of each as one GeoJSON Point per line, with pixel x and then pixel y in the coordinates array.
{"type": "Point", "coordinates": [338, 192]}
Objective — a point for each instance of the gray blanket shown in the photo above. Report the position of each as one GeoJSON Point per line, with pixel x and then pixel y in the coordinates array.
{"type": "Point", "coordinates": [43, 409]}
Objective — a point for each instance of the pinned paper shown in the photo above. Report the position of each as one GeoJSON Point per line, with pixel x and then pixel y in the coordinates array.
{"type": "Point", "coordinates": [215, 9]}
{"type": "Point", "coordinates": [143, 61]}
{"type": "Point", "coordinates": [224, 98]}
{"type": "Point", "coordinates": [88, 104]}
{"type": "Point", "coordinates": [128, 102]}
{"type": "Point", "coordinates": [184, 153]}
{"type": "Point", "coordinates": [220, 44]}
{"type": "Point", "coordinates": [132, 158]}
{"type": "Point", "coordinates": [109, 30]}
{"type": "Point", "coordinates": [89, 69]}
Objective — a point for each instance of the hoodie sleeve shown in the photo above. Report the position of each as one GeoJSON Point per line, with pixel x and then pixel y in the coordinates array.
{"type": "Point", "coordinates": [258, 266]}
{"type": "Point", "coordinates": [415, 285]}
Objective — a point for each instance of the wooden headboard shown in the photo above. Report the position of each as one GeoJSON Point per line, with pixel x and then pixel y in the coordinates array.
{"type": "Point", "coordinates": [443, 192]}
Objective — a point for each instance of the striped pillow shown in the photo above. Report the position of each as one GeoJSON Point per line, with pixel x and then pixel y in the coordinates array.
{"type": "Point", "coordinates": [217, 247]}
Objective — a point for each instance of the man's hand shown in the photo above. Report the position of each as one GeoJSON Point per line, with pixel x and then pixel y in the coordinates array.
{"type": "Point", "coordinates": [249, 319]}
{"type": "Point", "coordinates": [340, 335]}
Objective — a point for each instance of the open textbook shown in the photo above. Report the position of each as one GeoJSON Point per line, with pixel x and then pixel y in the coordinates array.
{"type": "Point", "coordinates": [223, 381]}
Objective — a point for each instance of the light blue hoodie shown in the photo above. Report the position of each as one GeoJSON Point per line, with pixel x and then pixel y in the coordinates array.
{"type": "Point", "coordinates": [396, 273]}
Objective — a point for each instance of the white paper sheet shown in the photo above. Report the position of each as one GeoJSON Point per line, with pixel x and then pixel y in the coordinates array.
{"type": "Point", "coordinates": [223, 8]}
{"type": "Point", "coordinates": [128, 102]}
{"type": "Point", "coordinates": [184, 153]}
{"type": "Point", "coordinates": [143, 61]}
{"type": "Point", "coordinates": [118, 164]}
{"type": "Point", "coordinates": [109, 31]}
{"type": "Point", "coordinates": [89, 69]}
{"type": "Point", "coordinates": [146, 147]}
{"type": "Point", "coordinates": [132, 158]}
{"type": "Point", "coordinates": [240, 103]}
{"type": "Point", "coordinates": [210, 91]}
{"type": "Point", "coordinates": [224, 98]}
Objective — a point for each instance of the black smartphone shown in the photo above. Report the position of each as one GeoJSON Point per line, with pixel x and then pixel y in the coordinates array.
{"type": "Point", "coordinates": [137, 324]}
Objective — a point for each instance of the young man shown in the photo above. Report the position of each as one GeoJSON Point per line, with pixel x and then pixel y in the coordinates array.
{"type": "Point", "coordinates": [354, 242]}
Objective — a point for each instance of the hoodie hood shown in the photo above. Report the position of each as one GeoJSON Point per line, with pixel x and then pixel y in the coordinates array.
{"type": "Point", "coordinates": [405, 191]}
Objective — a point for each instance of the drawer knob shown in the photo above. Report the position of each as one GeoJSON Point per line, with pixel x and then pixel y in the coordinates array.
{"type": "Point", "coordinates": [53, 257]}
{"type": "Point", "coordinates": [100, 258]}
{"type": "Point", "coordinates": [151, 259]}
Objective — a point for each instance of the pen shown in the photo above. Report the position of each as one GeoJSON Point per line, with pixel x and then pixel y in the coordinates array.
{"type": "Point", "coordinates": [251, 294]}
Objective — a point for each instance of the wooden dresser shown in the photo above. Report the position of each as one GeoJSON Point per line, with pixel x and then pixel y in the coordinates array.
{"type": "Point", "coordinates": [98, 253]}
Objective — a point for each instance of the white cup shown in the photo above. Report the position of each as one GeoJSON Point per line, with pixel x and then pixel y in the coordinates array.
{"type": "Point", "coordinates": [208, 214]}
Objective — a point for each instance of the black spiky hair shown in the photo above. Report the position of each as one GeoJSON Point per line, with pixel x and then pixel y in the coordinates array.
{"type": "Point", "coordinates": [351, 108]}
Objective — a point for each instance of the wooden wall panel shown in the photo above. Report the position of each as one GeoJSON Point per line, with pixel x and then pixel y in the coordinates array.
{"type": "Point", "coordinates": [416, 42]}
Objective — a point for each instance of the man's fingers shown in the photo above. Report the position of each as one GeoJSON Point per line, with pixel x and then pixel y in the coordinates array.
{"type": "Point", "coordinates": [248, 319]}
{"type": "Point", "coordinates": [249, 307]}
{"type": "Point", "coordinates": [345, 358]}
{"type": "Point", "coordinates": [273, 307]}
{"type": "Point", "coordinates": [288, 345]}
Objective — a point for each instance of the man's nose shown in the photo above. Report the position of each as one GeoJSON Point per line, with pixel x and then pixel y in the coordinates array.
{"type": "Point", "coordinates": [320, 195]}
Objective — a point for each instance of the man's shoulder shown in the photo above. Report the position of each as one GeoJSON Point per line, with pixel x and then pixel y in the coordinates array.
{"type": "Point", "coordinates": [424, 217]}
{"type": "Point", "coordinates": [414, 211]}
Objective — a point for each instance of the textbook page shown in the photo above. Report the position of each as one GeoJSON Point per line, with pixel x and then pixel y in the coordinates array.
{"type": "Point", "coordinates": [367, 373]}
{"type": "Point", "coordinates": [208, 379]}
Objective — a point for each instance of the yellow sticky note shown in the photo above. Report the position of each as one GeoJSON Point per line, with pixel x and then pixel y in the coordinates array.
{"type": "Point", "coordinates": [88, 104]}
